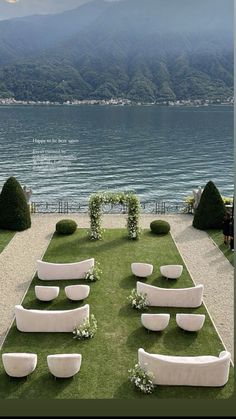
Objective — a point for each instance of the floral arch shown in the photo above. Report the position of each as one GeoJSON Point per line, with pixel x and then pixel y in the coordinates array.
{"type": "Point", "coordinates": [96, 202]}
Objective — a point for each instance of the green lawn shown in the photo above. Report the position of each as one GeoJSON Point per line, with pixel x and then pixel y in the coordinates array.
{"type": "Point", "coordinates": [107, 357]}
{"type": "Point", "coordinates": [217, 237]}
{"type": "Point", "coordinates": [5, 238]}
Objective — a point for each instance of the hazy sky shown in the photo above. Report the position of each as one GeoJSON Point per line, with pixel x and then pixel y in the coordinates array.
{"type": "Point", "coordinates": [17, 8]}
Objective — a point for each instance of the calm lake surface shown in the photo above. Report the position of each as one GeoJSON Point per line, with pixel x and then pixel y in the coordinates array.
{"type": "Point", "coordinates": [161, 153]}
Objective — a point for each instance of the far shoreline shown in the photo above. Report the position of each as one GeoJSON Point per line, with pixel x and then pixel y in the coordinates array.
{"type": "Point", "coordinates": [121, 102]}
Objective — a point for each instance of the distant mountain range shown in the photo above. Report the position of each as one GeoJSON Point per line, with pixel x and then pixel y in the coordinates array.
{"type": "Point", "coordinates": [19, 8]}
{"type": "Point", "coordinates": [152, 50]}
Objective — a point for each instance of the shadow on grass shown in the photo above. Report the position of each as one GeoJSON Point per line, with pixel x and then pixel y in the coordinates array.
{"type": "Point", "coordinates": [150, 233]}
{"type": "Point", "coordinates": [12, 383]}
{"type": "Point", "coordinates": [73, 237]}
{"type": "Point", "coordinates": [64, 304]}
{"type": "Point", "coordinates": [110, 245]}
{"type": "Point", "coordinates": [44, 382]}
{"type": "Point", "coordinates": [128, 311]}
{"type": "Point", "coordinates": [61, 283]}
{"type": "Point", "coordinates": [163, 282]}
{"type": "Point", "coordinates": [142, 338]}
{"type": "Point", "coordinates": [176, 339]}
{"type": "Point", "coordinates": [128, 390]}
{"type": "Point", "coordinates": [129, 282]}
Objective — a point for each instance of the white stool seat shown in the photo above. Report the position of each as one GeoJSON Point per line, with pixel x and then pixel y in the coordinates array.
{"type": "Point", "coordinates": [77, 292]}
{"type": "Point", "coordinates": [142, 270]}
{"type": "Point", "coordinates": [64, 365]}
{"type": "Point", "coordinates": [190, 322]}
{"type": "Point", "coordinates": [155, 322]}
{"type": "Point", "coordinates": [171, 271]}
{"type": "Point", "coordinates": [46, 293]}
{"type": "Point", "coordinates": [19, 364]}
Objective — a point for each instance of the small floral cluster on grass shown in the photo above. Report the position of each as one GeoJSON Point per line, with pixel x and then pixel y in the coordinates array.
{"type": "Point", "coordinates": [138, 300]}
{"type": "Point", "coordinates": [142, 380]}
{"type": "Point", "coordinates": [87, 330]}
{"type": "Point", "coordinates": [94, 274]}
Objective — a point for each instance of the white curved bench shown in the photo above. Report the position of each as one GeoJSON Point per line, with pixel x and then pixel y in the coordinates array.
{"type": "Point", "coordinates": [142, 270]}
{"type": "Point", "coordinates": [155, 322]}
{"type": "Point", "coordinates": [77, 292]}
{"type": "Point", "coordinates": [207, 371]}
{"type": "Point", "coordinates": [50, 271]}
{"type": "Point", "coordinates": [46, 293]}
{"type": "Point", "coordinates": [19, 364]}
{"type": "Point", "coordinates": [171, 271]}
{"type": "Point", "coordinates": [169, 297]}
{"type": "Point", "coordinates": [190, 322]}
{"type": "Point", "coordinates": [50, 320]}
{"type": "Point", "coordinates": [64, 365]}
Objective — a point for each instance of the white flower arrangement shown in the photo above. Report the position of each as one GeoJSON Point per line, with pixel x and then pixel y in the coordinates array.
{"type": "Point", "coordinates": [94, 274]}
{"type": "Point", "coordinates": [132, 202]}
{"type": "Point", "coordinates": [138, 300]}
{"type": "Point", "coordinates": [142, 380]}
{"type": "Point", "coordinates": [87, 330]}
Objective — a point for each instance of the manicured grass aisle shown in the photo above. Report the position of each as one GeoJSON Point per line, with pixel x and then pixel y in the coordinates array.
{"type": "Point", "coordinates": [217, 237]}
{"type": "Point", "coordinates": [5, 238]}
{"type": "Point", "coordinates": [108, 356]}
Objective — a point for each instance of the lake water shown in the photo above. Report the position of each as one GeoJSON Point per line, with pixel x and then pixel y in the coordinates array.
{"type": "Point", "coordinates": [161, 153]}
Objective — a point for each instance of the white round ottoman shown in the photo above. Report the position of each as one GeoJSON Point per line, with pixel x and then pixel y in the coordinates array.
{"type": "Point", "coordinates": [142, 270]}
{"type": "Point", "coordinates": [77, 292]}
{"type": "Point", "coordinates": [155, 322]}
{"type": "Point", "coordinates": [46, 293]}
{"type": "Point", "coordinates": [64, 365]}
{"type": "Point", "coordinates": [171, 271]}
{"type": "Point", "coordinates": [19, 364]}
{"type": "Point", "coordinates": [190, 322]}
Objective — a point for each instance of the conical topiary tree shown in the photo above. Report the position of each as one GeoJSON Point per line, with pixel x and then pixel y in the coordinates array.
{"type": "Point", "coordinates": [211, 209]}
{"type": "Point", "coordinates": [14, 210]}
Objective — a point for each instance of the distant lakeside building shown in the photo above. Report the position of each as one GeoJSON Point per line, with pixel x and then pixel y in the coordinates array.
{"type": "Point", "coordinates": [122, 102]}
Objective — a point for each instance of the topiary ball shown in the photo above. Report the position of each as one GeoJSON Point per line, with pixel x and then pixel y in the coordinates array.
{"type": "Point", "coordinates": [66, 227]}
{"type": "Point", "coordinates": [160, 227]}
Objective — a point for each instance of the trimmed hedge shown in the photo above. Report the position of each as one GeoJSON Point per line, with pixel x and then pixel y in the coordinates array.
{"type": "Point", "coordinates": [66, 227]}
{"type": "Point", "coordinates": [160, 227]}
{"type": "Point", "coordinates": [211, 209]}
{"type": "Point", "coordinates": [14, 210]}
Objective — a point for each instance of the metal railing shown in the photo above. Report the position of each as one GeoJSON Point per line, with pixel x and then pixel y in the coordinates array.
{"type": "Point", "coordinates": [70, 207]}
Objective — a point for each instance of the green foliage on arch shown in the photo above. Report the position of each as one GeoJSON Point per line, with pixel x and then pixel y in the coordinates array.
{"type": "Point", "coordinates": [96, 202]}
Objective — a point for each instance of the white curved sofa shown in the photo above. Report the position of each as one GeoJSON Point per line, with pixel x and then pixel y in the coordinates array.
{"type": "Point", "coordinates": [50, 271]}
{"type": "Point", "coordinates": [50, 320]}
{"type": "Point", "coordinates": [142, 270]}
{"type": "Point", "coordinates": [190, 322]}
{"type": "Point", "coordinates": [207, 371]}
{"type": "Point", "coordinates": [171, 271]}
{"type": "Point", "coordinates": [155, 322]}
{"type": "Point", "coordinates": [169, 297]}
{"type": "Point", "coordinates": [77, 292]}
{"type": "Point", "coordinates": [64, 365]}
{"type": "Point", "coordinates": [46, 293]}
{"type": "Point", "coordinates": [19, 364]}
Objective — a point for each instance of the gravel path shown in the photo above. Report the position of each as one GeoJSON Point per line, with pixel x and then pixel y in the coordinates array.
{"type": "Point", "coordinates": [204, 260]}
